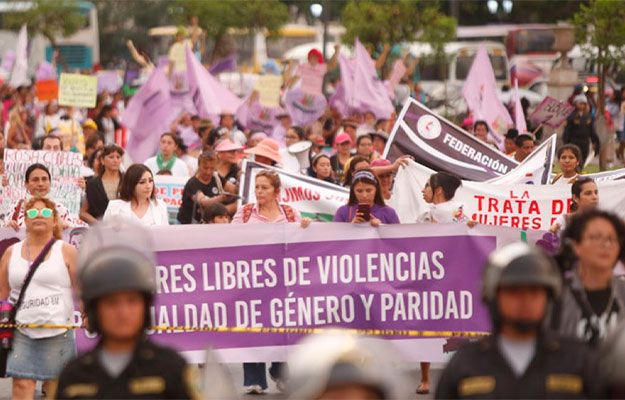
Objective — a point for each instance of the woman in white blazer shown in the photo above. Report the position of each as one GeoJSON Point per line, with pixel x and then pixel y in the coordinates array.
{"type": "Point", "coordinates": [137, 199]}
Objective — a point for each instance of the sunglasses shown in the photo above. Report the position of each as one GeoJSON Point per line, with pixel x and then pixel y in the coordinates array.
{"type": "Point", "coordinates": [44, 212]}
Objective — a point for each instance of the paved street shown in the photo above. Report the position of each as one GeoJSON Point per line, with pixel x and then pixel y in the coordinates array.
{"type": "Point", "coordinates": [237, 373]}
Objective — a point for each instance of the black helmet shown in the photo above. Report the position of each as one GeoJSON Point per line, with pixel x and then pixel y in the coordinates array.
{"type": "Point", "coordinates": [518, 264]}
{"type": "Point", "coordinates": [115, 255]}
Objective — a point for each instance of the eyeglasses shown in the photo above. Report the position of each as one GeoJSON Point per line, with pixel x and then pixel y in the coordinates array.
{"type": "Point", "coordinates": [598, 240]}
{"type": "Point", "coordinates": [44, 212]}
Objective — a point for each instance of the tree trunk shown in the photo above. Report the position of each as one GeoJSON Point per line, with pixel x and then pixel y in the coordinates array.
{"type": "Point", "coordinates": [601, 125]}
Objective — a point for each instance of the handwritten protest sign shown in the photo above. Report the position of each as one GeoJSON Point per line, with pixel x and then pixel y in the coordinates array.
{"type": "Point", "coordinates": [169, 189]}
{"type": "Point", "coordinates": [268, 87]}
{"type": "Point", "coordinates": [78, 90]}
{"type": "Point", "coordinates": [551, 112]}
{"type": "Point", "coordinates": [313, 198]}
{"type": "Point", "coordinates": [64, 168]}
{"type": "Point", "coordinates": [47, 90]}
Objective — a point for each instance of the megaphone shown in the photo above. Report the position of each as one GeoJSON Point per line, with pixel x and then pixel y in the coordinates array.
{"type": "Point", "coordinates": [301, 150]}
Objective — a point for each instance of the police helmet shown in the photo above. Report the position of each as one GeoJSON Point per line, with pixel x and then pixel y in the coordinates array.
{"type": "Point", "coordinates": [338, 358]}
{"type": "Point", "coordinates": [519, 264]}
{"type": "Point", "coordinates": [115, 255]}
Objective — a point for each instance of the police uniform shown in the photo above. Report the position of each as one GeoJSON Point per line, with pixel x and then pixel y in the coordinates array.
{"type": "Point", "coordinates": [154, 372]}
{"type": "Point", "coordinates": [579, 130]}
{"type": "Point", "coordinates": [559, 370]}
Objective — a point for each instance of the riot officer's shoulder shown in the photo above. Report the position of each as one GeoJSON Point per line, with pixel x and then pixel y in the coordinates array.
{"type": "Point", "coordinates": [165, 356]}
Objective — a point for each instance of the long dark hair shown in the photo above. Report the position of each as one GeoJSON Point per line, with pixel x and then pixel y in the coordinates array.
{"type": "Point", "coordinates": [35, 167]}
{"type": "Point", "coordinates": [369, 179]}
{"type": "Point", "coordinates": [448, 182]}
{"type": "Point", "coordinates": [131, 179]}
{"type": "Point", "coordinates": [573, 149]}
{"type": "Point", "coordinates": [576, 190]}
{"type": "Point", "coordinates": [108, 149]}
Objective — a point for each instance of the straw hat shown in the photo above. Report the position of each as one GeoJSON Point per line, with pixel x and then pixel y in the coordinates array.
{"type": "Point", "coordinates": [267, 148]}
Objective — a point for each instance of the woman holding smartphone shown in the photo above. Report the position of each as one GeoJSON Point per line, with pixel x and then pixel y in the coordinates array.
{"type": "Point", "coordinates": [365, 202]}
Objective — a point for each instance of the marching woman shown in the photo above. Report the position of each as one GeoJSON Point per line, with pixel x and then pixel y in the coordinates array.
{"type": "Point", "coordinates": [267, 209]}
{"type": "Point", "coordinates": [366, 204]}
{"type": "Point", "coordinates": [321, 168]}
{"type": "Point", "coordinates": [137, 199]}
{"type": "Point", "coordinates": [104, 186]}
{"type": "Point", "coordinates": [584, 196]}
{"type": "Point", "coordinates": [569, 157]}
{"type": "Point", "coordinates": [45, 298]}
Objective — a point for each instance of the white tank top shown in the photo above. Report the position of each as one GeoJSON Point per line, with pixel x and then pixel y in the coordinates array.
{"type": "Point", "coordinates": [48, 298]}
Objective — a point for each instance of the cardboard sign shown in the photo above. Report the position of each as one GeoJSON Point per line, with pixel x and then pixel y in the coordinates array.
{"type": "Point", "coordinates": [268, 87]}
{"type": "Point", "coordinates": [78, 90]}
{"type": "Point", "coordinates": [551, 112]}
{"type": "Point", "coordinates": [47, 90]}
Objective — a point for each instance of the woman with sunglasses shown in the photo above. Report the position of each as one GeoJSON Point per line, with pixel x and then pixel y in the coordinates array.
{"type": "Point", "coordinates": [137, 199]}
{"type": "Point", "coordinates": [39, 354]}
{"type": "Point", "coordinates": [37, 182]}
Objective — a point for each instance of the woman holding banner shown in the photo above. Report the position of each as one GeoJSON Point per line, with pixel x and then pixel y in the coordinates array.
{"type": "Point", "coordinates": [105, 186]}
{"type": "Point", "coordinates": [137, 199]}
{"type": "Point", "coordinates": [267, 209]}
{"type": "Point", "coordinates": [39, 354]}
{"type": "Point", "coordinates": [439, 191]}
{"type": "Point", "coordinates": [569, 157]}
{"type": "Point", "coordinates": [365, 202]}
{"type": "Point", "coordinates": [584, 196]}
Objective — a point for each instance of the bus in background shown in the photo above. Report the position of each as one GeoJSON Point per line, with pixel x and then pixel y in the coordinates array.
{"type": "Point", "coordinates": [529, 46]}
{"type": "Point", "coordinates": [76, 52]}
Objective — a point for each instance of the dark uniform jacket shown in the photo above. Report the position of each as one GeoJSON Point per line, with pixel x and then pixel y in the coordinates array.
{"type": "Point", "coordinates": [560, 369]}
{"type": "Point", "coordinates": [154, 372]}
{"type": "Point", "coordinates": [580, 130]}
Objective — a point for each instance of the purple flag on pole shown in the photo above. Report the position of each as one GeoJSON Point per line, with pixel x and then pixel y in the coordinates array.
{"type": "Point", "coordinates": [369, 90]}
{"type": "Point", "coordinates": [148, 115]}
{"type": "Point", "coordinates": [480, 93]}
{"type": "Point", "coordinates": [519, 116]}
{"type": "Point", "coordinates": [257, 117]}
{"type": "Point", "coordinates": [210, 97]}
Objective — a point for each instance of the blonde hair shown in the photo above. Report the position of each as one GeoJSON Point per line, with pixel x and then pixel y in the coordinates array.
{"type": "Point", "coordinates": [57, 230]}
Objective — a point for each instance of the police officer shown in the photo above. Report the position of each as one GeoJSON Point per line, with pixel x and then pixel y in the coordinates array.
{"type": "Point", "coordinates": [116, 274]}
{"type": "Point", "coordinates": [611, 372]}
{"type": "Point", "coordinates": [520, 359]}
{"type": "Point", "coordinates": [580, 128]}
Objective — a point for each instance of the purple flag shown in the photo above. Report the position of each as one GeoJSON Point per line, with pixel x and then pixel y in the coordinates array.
{"type": "Point", "coordinates": [480, 93]}
{"type": "Point", "coordinates": [258, 118]}
{"type": "Point", "coordinates": [8, 59]}
{"type": "Point", "coordinates": [109, 80]}
{"type": "Point", "coordinates": [224, 64]}
{"type": "Point", "coordinates": [343, 98]}
{"type": "Point", "coordinates": [148, 115]}
{"type": "Point", "coordinates": [369, 90]}
{"type": "Point", "coordinates": [210, 97]}
{"type": "Point", "coordinates": [45, 72]}
{"type": "Point", "coordinates": [304, 108]}
{"type": "Point", "coordinates": [519, 116]}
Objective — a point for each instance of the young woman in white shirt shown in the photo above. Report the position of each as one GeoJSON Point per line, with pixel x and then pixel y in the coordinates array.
{"type": "Point", "coordinates": [137, 199]}
{"type": "Point", "coordinates": [569, 157]}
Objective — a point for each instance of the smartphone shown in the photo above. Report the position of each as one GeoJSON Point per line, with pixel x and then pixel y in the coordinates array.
{"type": "Point", "coordinates": [365, 211]}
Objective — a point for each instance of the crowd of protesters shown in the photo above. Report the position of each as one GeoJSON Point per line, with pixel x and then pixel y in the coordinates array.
{"type": "Point", "coordinates": [588, 298]}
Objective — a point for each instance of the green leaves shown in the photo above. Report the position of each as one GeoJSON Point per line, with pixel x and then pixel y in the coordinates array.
{"type": "Point", "coordinates": [51, 18]}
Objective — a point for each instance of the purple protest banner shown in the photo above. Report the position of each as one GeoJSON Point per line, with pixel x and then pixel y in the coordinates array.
{"type": "Point", "coordinates": [397, 277]}
{"type": "Point", "coordinates": [551, 112]}
{"type": "Point", "coordinates": [438, 144]}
